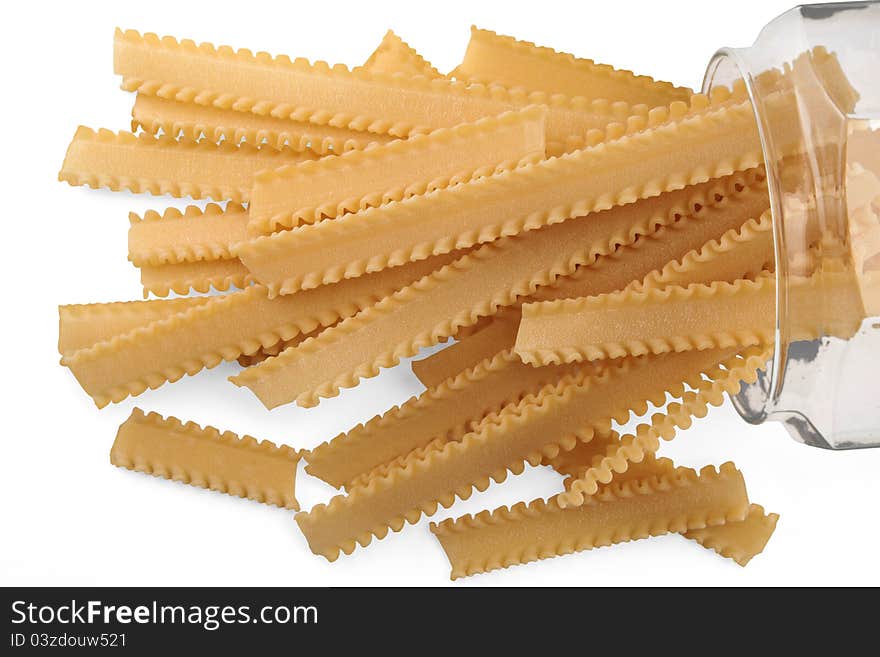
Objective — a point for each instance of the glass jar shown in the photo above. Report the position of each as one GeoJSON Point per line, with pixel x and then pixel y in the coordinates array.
{"type": "Point", "coordinates": [811, 76]}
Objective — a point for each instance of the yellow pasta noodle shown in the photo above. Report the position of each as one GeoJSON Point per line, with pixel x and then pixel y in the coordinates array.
{"type": "Point", "coordinates": [224, 328]}
{"type": "Point", "coordinates": [305, 193]}
{"type": "Point", "coordinates": [740, 541]}
{"type": "Point", "coordinates": [189, 236]}
{"type": "Point", "coordinates": [536, 427]}
{"type": "Point", "coordinates": [224, 462]}
{"type": "Point", "coordinates": [190, 250]}
{"type": "Point", "coordinates": [191, 121]}
{"type": "Point", "coordinates": [726, 209]}
{"type": "Point", "coordinates": [649, 466]}
{"type": "Point", "coordinates": [494, 58]}
{"type": "Point", "coordinates": [480, 324]}
{"type": "Point", "coordinates": [468, 351]}
{"type": "Point", "coordinates": [448, 412]}
{"type": "Point", "coordinates": [597, 247]}
{"type": "Point", "coordinates": [82, 325]}
{"type": "Point", "coordinates": [394, 55]}
{"type": "Point", "coordinates": [630, 510]}
{"type": "Point", "coordinates": [693, 403]}
{"type": "Point", "coordinates": [629, 263]}
{"type": "Point", "coordinates": [618, 457]}
{"type": "Point", "coordinates": [249, 360]}
{"type": "Point", "coordinates": [574, 462]}
{"type": "Point", "coordinates": [201, 276]}
{"type": "Point", "coordinates": [681, 318]}
{"type": "Point", "coordinates": [665, 152]}
{"type": "Point", "coordinates": [161, 165]}
{"type": "Point", "coordinates": [479, 284]}
{"type": "Point", "coordinates": [395, 104]}
{"type": "Point", "coordinates": [608, 456]}
{"type": "Point", "coordinates": [743, 252]}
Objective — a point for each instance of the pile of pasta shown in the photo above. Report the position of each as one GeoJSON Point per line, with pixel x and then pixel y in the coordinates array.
{"type": "Point", "coordinates": [592, 245]}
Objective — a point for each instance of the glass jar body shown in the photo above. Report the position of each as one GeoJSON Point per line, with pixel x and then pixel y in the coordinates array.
{"type": "Point", "coordinates": [811, 78]}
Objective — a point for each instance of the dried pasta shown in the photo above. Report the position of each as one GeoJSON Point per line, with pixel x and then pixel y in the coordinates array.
{"type": "Point", "coordinates": [160, 165]}
{"type": "Point", "coordinates": [679, 318]}
{"type": "Point", "coordinates": [199, 276]}
{"type": "Point", "coordinates": [477, 285]}
{"type": "Point", "coordinates": [680, 502]}
{"type": "Point", "coordinates": [175, 118]}
{"type": "Point", "coordinates": [744, 252]}
{"type": "Point", "coordinates": [249, 360]}
{"type": "Point", "coordinates": [153, 114]}
{"type": "Point", "coordinates": [221, 329]}
{"type": "Point", "coordinates": [447, 412]}
{"type": "Point", "coordinates": [82, 325]}
{"type": "Point", "coordinates": [678, 414]}
{"type": "Point", "coordinates": [192, 235]}
{"type": "Point", "coordinates": [695, 231]}
{"type": "Point", "coordinates": [740, 541]}
{"type": "Point", "coordinates": [539, 425]}
{"type": "Point", "coordinates": [394, 55]}
{"type": "Point", "coordinates": [305, 193]}
{"type": "Point", "coordinates": [597, 246]}
{"type": "Point", "coordinates": [206, 457]}
{"type": "Point", "coordinates": [494, 58]}
{"type": "Point", "coordinates": [189, 250]}
{"type": "Point", "coordinates": [395, 104]}
{"type": "Point", "coordinates": [711, 140]}
{"type": "Point", "coordinates": [468, 351]}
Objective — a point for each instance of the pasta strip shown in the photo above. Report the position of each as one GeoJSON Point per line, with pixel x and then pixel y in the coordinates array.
{"type": "Point", "coordinates": [607, 455]}
{"type": "Point", "coordinates": [161, 165]}
{"type": "Point", "coordinates": [190, 250]}
{"type": "Point", "coordinates": [630, 263]}
{"type": "Point", "coordinates": [649, 466]}
{"type": "Point", "coordinates": [480, 284]}
{"type": "Point", "coordinates": [249, 360]}
{"type": "Point", "coordinates": [224, 462]}
{"type": "Point", "coordinates": [626, 511]}
{"type": "Point", "coordinates": [190, 121]}
{"type": "Point", "coordinates": [740, 541]}
{"type": "Point", "coordinates": [494, 58]}
{"type": "Point", "coordinates": [480, 324]}
{"type": "Point", "coordinates": [224, 328]}
{"type": "Point", "coordinates": [731, 211]}
{"type": "Point", "coordinates": [468, 351]}
{"type": "Point", "coordinates": [82, 325]}
{"type": "Point", "coordinates": [664, 157]}
{"type": "Point", "coordinates": [739, 253]}
{"type": "Point", "coordinates": [201, 276]}
{"type": "Point", "coordinates": [395, 104]}
{"type": "Point", "coordinates": [480, 387]}
{"type": "Point", "coordinates": [190, 236]}
{"type": "Point", "coordinates": [305, 193]}
{"type": "Point", "coordinates": [693, 403]}
{"type": "Point", "coordinates": [394, 55]}
{"type": "Point", "coordinates": [536, 427]}
{"type": "Point", "coordinates": [448, 412]}
{"type": "Point", "coordinates": [574, 462]}
{"type": "Point", "coordinates": [681, 318]}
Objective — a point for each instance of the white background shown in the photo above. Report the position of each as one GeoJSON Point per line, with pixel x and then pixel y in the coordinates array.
{"type": "Point", "coordinates": [69, 517]}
